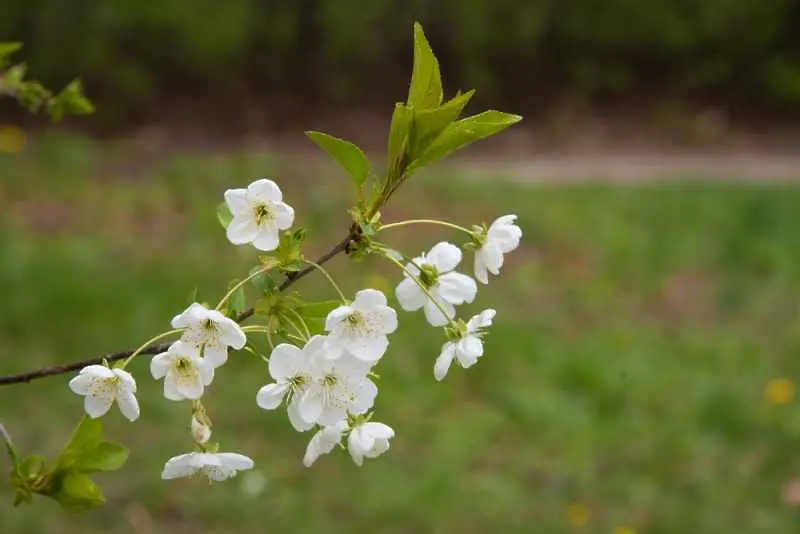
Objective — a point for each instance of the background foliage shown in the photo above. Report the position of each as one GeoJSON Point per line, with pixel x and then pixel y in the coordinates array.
{"type": "Point", "coordinates": [132, 54]}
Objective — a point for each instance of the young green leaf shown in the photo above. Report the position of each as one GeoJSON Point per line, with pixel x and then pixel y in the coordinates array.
{"type": "Point", "coordinates": [237, 302]}
{"type": "Point", "coordinates": [461, 133]}
{"type": "Point", "coordinates": [87, 436]}
{"type": "Point", "coordinates": [400, 131]}
{"type": "Point", "coordinates": [426, 81]}
{"type": "Point", "coordinates": [262, 281]}
{"type": "Point", "coordinates": [430, 123]}
{"type": "Point", "coordinates": [224, 215]}
{"type": "Point", "coordinates": [107, 456]}
{"type": "Point", "coordinates": [345, 153]}
{"type": "Point", "coordinates": [76, 492]}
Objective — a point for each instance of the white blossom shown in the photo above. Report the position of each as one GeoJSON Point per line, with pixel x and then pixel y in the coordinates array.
{"type": "Point", "coordinates": [290, 367]}
{"type": "Point", "coordinates": [323, 442]}
{"type": "Point", "coordinates": [200, 431]}
{"type": "Point", "coordinates": [216, 466]}
{"type": "Point", "coordinates": [434, 271]}
{"type": "Point", "coordinates": [101, 386]}
{"type": "Point", "coordinates": [210, 331]}
{"type": "Point", "coordinates": [467, 348]}
{"type": "Point", "coordinates": [368, 440]}
{"type": "Point", "coordinates": [185, 372]}
{"type": "Point", "coordinates": [361, 328]}
{"type": "Point", "coordinates": [338, 387]}
{"type": "Point", "coordinates": [259, 213]}
{"type": "Point", "coordinates": [501, 238]}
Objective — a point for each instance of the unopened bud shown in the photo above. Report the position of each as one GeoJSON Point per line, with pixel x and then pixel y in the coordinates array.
{"type": "Point", "coordinates": [201, 432]}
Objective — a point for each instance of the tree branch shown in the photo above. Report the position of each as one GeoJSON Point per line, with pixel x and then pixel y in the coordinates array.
{"type": "Point", "coordinates": [291, 278]}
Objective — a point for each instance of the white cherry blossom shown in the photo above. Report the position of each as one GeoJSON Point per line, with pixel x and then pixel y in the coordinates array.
{"type": "Point", "coordinates": [368, 440]}
{"type": "Point", "coordinates": [434, 271]}
{"type": "Point", "coordinates": [323, 442]}
{"type": "Point", "coordinates": [468, 346]}
{"type": "Point", "coordinates": [210, 331]}
{"type": "Point", "coordinates": [101, 386]}
{"type": "Point", "coordinates": [501, 238]}
{"type": "Point", "coordinates": [338, 387]}
{"type": "Point", "coordinates": [259, 214]}
{"type": "Point", "coordinates": [361, 328]}
{"type": "Point", "coordinates": [290, 367]}
{"type": "Point", "coordinates": [184, 371]}
{"type": "Point", "coordinates": [216, 466]}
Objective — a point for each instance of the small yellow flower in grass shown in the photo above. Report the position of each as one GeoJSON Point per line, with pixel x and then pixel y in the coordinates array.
{"type": "Point", "coordinates": [779, 391]}
{"type": "Point", "coordinates": [578, 514]}
{"type": "Point", "coordinates": [623, 530]}
{"type": "Point", "coordinates": [12, 139]}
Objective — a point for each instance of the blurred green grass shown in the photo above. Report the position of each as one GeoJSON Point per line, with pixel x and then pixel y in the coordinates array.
{"type": "Point", "coordinates": [637, 328]}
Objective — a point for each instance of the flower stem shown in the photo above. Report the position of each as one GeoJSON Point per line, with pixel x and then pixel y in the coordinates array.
{"type": "Point", "coordinates": [240, 284]}
{"type": "Point", "coordinates": [302, 322]}
{"type": "Point", "coordinates": [329, 277]}
{"type": "Point", "coordinates": [147, 344]}
{"type": "Point", "coordinates": [424, 221]}
{"type": "Point", "coordinates": [421, 286]}
{"type": "Point", "coordinates": [296, 328]}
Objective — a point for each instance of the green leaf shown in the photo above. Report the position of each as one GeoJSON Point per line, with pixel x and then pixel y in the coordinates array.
{"type": "Point", "coordinates": [237, 302]}
{"type": "Point", "coordinates": [107, 456]}
{"type": "Point", "coordinates": [87, 436]}
{"type": "Point", "coordinates": [76, 492]}
{"type": "Point", "coordinates": [70, 100]}
{"type": "Point", "coordinates": [224, 215]}
{"type": "Point", "coordinates": [399, 134]}
{"type": "Point", "coordinates": [426, 81]}
{"type": "Point", "coordinates": [461, 133]}
{"type": "Point", "coordinates": [346, 154]}
{"type": "Point", "coordinates": [430, 123]}
{"type": "Point", "coordinates": [263, 282]}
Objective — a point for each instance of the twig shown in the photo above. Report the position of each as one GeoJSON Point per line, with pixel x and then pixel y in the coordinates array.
{"type": "Point", "coordinates": [291, 278]}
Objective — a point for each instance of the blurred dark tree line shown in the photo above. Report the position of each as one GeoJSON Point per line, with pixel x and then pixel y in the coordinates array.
{"type": "Point", "coordinates": [133, 54]}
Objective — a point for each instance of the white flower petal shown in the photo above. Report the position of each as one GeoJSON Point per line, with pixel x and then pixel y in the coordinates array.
{"type": "Point", "coordinates": [215, 355]}
{"type": "Point", "coordinates": [444, 256]}
{"type": "Point", "coordinates": [284, 215]}
{"type": "Point", "coordinates": [492, 257]}
{"type": "Point", "coordinates": [480, 270]}
{"type": "Point", "coordinates": [482, 320]}
{"type": "Point", "coordinates": [171, 389]}
{"type": "Point", "coordinates": [385, 319]}
{"type": "Point", "coordinates": [242, 229]}
{"type": "Point", "coordinates": [336, 316]}
{"type": "Point", "coordinates": [323, 442]}
{"type": "Point", "coordinates": [369, 349]}
{"type": "Point", "coordinates": [267, 237]}
{"type": "Point", "coordinates": [236, 199]}
{"type": "Point", "coordinates": [468, 350]}
{"type": "Point", "coordinates": [270, 396]}
{"type": "Point", "coordinates": [285, 361]}
{"type": "Point", "coordinates": [294, 417]}
{"type": "Point", "coordinates": [160, 364]}
{"type": "Point", "coordinates": [435, 316]}
{"type": "Point", "coordinates": [230, 333]}
{"type": "Point", "coordinates": [379, 430]}
{"type": "Point", "coordinates": [179, 467]}
{"type": "Point", "coordinates": [97, 405]}
{"type": "Point", "coordinates": [457, 288]}
{"type": "Point", "coordinates": [82, 383]}
{"type": "Point", "coordinates": [264, 190]}
{"type": "Point", "coordinates": [126, 380]}
{"type": "Point", "coordinates": [368, 299]}
{"type": "Point", "coordinates": [310, 406]}
{"type": "Point", "coordinates": [409, 295]}
{"type": "Point", "coordinates": [128, 405]}
{"type": "Point", "coordinates": [444, 361]}
{"type": "Point", "coordinates": [236, 461]}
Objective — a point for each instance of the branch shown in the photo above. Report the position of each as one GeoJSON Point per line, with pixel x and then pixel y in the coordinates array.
{"type": "Point", "coordinates": [291, 278]}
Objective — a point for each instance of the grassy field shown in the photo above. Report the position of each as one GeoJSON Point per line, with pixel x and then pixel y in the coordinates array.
{"type": "Point", "coordinates": [624, 388]}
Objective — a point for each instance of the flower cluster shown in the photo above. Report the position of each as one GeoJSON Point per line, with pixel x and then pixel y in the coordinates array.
{"type": "Point", "coordinates": [324, 379]}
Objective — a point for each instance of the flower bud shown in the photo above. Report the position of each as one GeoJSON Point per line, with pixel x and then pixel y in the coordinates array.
{"type": "Point", "coordinates": [200, 431]}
